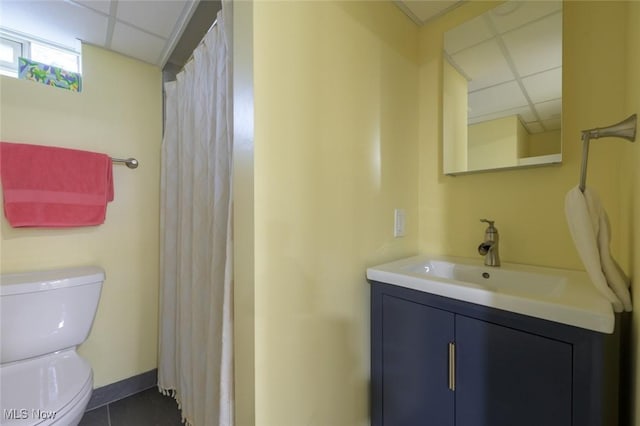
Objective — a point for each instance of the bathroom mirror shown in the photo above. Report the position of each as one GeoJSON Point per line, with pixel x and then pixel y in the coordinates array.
{"type": "Point", "coordinates": [502, 89]}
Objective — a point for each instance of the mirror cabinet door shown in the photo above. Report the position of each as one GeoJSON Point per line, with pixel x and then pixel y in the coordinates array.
{"type": "Point", "coordinates": [502, 89]}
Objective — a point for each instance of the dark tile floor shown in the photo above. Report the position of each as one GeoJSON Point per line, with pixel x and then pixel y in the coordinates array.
{"type": "Point", "coordinates": [147, 408]}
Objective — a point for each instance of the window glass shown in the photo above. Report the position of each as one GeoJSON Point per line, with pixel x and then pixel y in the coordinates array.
{"type": "Point", "coordinates": [10, 51]}
{"type": "Point", "coordinates": [56, 57]}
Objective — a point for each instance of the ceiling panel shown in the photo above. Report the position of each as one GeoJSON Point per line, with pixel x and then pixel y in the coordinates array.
{"type": "Point", "coordinates": [467, 34]}
{"type": "Point", "coordinates": [513, 14]}
{"type": "Point", "coordinates": [527, 114]}
{"type": "Point", "coordinates": [427, 9]}
{"type": "Point", "coordinates": [102, 6]}
{"type": "Point", "coordinates": [550, 109]}
{"type": "Point", "coordinates": [161, 22]}
{"type": "Point", "coordinates": [484, 65]}
{"type": "Point", "coordinates": [497, 98]}
{"type": "Point", "coordinates": [133, 42]}
{"type": "Point", "coordinates": [144, 29]}
{"type": "Point", "coordinates": [524, 112]}
{"type": "Point", "coordinates": [537, 46]}
{"type": "Point", "coordinates": [58, 21]}
{"type": "Point", "coordinates": [544, 86]}
{"type": "Point", "coordinates": [517, 42]}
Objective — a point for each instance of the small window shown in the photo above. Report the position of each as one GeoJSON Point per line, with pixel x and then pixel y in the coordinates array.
{"type": "Point", "coordinates": [10, 51]}
{"type": "Point", "coordinates": [66, 60]}
{"type": "Point", "coordinates": [17, 48]}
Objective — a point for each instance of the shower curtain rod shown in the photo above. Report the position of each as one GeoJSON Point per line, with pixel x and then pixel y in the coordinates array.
{"type": "Point", "coordinates": [215, 22]}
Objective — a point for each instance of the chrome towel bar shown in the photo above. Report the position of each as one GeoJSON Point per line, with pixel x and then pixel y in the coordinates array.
{"type": "Point", "coordinates": [131, 163]}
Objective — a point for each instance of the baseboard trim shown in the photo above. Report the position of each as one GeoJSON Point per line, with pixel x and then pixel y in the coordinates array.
{"type": "Point", "coordinates": [115, 391]}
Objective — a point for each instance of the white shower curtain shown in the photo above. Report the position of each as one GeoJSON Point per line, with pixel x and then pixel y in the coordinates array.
{"type": "Point", "coordinates": [196, 342]}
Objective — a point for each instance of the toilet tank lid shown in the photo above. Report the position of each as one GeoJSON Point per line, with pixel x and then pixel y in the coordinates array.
{"type": "Point", "coordinates": [29, 282]}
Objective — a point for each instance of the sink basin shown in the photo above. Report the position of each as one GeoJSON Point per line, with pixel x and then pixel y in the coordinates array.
{"type": "Point", "coordinates": [558, 295]}
{"type": "Point", "coordinates": [508, 280]}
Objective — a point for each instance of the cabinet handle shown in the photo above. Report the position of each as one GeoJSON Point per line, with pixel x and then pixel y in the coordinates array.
{"type": "Point", "coordinates": [452, 366]}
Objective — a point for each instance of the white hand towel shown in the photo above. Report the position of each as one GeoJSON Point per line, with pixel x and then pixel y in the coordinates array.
{"type": "Point", "coordinates": [589, 226]}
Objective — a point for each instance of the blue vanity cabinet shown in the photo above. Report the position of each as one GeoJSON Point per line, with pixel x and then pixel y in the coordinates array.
{"type": "Point", "coordinates": [413, 379]}
{"type": "Point", "coordinates": [442, 362]}
{"type": "Point", "coordinates": [507, 377]}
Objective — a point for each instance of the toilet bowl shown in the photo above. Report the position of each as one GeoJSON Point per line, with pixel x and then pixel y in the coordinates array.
{"type": "Point", "coordinates": [43, 317]}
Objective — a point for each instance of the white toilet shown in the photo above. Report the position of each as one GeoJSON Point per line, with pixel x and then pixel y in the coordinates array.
{"type": "Point", "coordinates": [43, 317]}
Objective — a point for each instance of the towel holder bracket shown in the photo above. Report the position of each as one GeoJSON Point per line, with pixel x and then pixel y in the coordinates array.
{"type": "Point", "coordinates": [626, 129]}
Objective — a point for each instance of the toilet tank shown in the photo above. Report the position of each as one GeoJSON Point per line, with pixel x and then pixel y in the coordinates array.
{"type": "Point", "coordinates": [47, 311]}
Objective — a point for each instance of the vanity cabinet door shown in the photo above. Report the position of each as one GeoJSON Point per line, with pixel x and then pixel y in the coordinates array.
{"type": "Point", "coordinates": [414, 367]}
{"type": "Point", "coordinates": [507, 377]}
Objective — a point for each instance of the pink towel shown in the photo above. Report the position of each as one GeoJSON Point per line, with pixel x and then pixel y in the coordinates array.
{"type": "Point", "coordinates": [47, 186]}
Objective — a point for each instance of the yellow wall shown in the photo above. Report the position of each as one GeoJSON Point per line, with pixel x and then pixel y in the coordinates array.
{"type": "Point", "coordinates": [243, 215]}
{"type": "Point", "coordinates": [494, 143]}
{"type": "Point", "coordinates": [631, 174]}
{"type": "Point", "coordinates": [119, 113]}
{"type": "Point", "coordinates": [335, 152]}
{"type": "Point", "coordinates": [523, 140]}
{"type": "Point", "coordinates": [527, 204]}
{"type": "Point", "coordinates": [545, 143]}
{"type": "Point", "coordinates": [454, 129]}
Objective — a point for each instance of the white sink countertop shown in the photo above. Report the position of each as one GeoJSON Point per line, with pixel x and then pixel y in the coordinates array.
{"type": "Point", "coordinates": [559, 295]}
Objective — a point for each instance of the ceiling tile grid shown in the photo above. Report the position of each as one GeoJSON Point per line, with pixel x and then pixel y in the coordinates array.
{"type": "Point", "coordinates": [467, 35]}
{"type": "Point", "coordinates": [133, 42]}
{"type": "Point", "coordinates": [514, 14]}
{"type": "Point", "coordinates": [158, 18]}
{"type": "Point", "coordinates": [144, 29]}
{"type": "Point", "coordinates": [102, 6]}
{"type": "Point", "coordinates": [484, 65]}
{"type": "Point", "coordinates": [514, 52]}
{"type": "Point", "coordinates": [544, 86]}
{"type": "Point", "coordinates": [500, 50]}
{"type": "Point", "coordinates": [524, 112]}
{"type": "Point", "coordinates": [502, 97]}
{"type": "Point", "coordinates": [536, 46]}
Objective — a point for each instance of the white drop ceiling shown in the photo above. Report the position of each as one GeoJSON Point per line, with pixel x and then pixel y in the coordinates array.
{"type": "Point", "coordinates": [511, 57]}
{"type": "Point", "coordinates": [143, 29]}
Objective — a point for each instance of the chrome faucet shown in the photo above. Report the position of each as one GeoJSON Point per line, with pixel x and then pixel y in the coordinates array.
{"type": "Point", "coordinates": [489, 247]}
